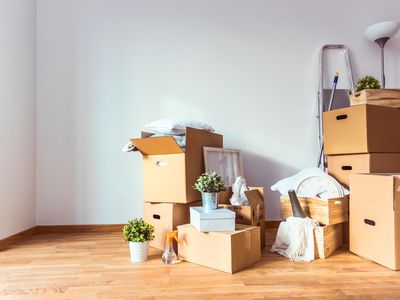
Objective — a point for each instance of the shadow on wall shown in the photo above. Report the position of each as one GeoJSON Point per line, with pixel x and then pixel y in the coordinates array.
{"type": "Point", "coordinates": [263, 171]}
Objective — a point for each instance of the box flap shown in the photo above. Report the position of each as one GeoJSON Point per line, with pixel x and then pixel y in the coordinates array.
{"type": "Point", "coordinates": [215, 214]}
{"type": "Point", "coordinates": [254, 197]}
{"type": "Point", "coordinates": [157, 145]}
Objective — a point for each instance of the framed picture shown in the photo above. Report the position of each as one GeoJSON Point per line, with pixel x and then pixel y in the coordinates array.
{"type": "Point", "coordinates": [225, 162]}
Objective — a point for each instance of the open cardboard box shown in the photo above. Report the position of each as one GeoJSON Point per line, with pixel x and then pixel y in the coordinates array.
{"type": "Point", "coordinates": [375, 218]}
{"type": "Point", "coordinates": [361, 129]}
{"type": "Point", "coordinates": [225, 251]}
{"type": "Point", "coordinates": [253, 214]}
{"type": "Point", "coordinates": [341, 166]}
{"type": "Point", "coordinates": [169, 173]}
{"type": "Point", "coordinates": [165, 217]}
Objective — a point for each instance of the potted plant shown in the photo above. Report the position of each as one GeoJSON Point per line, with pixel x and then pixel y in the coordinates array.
{"type": "Point", "coordinates": [367, 82]}
{"type": "Point", "coordinates": [138, 233]}
{"type": "Point", "coordinates": [209, 184]}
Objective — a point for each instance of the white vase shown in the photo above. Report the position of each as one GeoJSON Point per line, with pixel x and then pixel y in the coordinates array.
{"type": "Point", "coordinates": [139, 251]}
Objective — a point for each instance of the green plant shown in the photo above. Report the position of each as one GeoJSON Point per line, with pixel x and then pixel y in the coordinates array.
{"type": "Point", "coordinates": [138, 230]}
{"type": "Point", "coordinates": [367, 82]}
{"type": "Point", "coordinates": [209, 183]}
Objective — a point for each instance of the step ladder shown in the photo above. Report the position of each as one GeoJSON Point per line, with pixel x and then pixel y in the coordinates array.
{"type": "Point", "coordinates": [341, 98]}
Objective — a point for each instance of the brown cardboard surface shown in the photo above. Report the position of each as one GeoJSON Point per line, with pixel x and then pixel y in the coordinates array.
{"type": "Point", "coordinates": [169, 173]}
{"type": "Point", "coordinates": [165, 217]}
{"type": "Point", "coordinates": [157, 145]}
{"type": "Point", "coordinates": [375, 218]}
{"type": "Point", "coordinates": [254, 214]}
{"type": "Point", "coordinates": [362, 129]}
{"type": "Point", "coordinates": [225, 251]}
{"type": "Point", "coordinates": [341, 166]}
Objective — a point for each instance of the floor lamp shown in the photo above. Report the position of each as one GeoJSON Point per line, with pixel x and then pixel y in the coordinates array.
{"type": "Point", "coordinates": [380, 33]}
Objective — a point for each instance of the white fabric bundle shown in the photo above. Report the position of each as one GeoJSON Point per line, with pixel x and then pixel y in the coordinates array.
{"type": "Point", "coordinates": [176, 126]}
{"type": "Point", "coordinates": [295, 239]}
{"type": "Point", "coordinates": [238, 189]}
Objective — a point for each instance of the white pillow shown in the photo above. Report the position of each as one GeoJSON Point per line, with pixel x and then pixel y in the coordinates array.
{"type": "Point", "coordinates": [176, 126]}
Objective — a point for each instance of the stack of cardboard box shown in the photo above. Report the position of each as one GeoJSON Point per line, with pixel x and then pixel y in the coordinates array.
{"type": "Point", "coordinates": [169, 173]}
{"type": "Point", "coordinates": [366, 139]}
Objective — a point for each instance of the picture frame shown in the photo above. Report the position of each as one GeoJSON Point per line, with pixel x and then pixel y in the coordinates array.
{"type": "Point", "coordinates": [225, 162]}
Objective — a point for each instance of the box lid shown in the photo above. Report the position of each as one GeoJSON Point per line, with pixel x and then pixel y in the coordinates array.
{"type": "Point", "coordinates": [220, 213]}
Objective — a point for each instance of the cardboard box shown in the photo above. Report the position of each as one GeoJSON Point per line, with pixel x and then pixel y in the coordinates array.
{"type": "Point", "coordinates": [383, 97]}
{"type": "Point", "coordinates": [341, 166]}
{"type": "Point", "coordinates": [362, 129]}
{"type": "Point", "coordinates": [224, 251]}
{"type": "Point", "coordinates": [220, 219]}
{"type": "Point", "coordinates": [327, 239]}
{"type": "Point", "coordinates": [248, 215]}
{"type": "Point", "coordinates": [169, 173]}
{"type": "Point", "coordinates": [327, 212]}
{"type": "Point", "coordinates": [165, 217]}
{"type": "Point", "coordinates": [375, 218]}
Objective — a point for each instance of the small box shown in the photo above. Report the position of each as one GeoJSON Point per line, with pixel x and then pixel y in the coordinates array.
{"type": "Point", "coordinates": [253, 214]}
{"type": "Point", "coordinates": [220, 219]}
{"type": "Point", "coordinates": [375, 218]}
{"type": "Point", "coordinates": [327, 212]}
{"type": "Point", "coordinates": [341, 166]}
{"type": "Point", "coordinates": [224, 251]}
{"type": "Point", "coordinates": [165, 217]}
{"type": "Point", "coordinates": [327, 239]}
{"type": "Point", "coordinates": [383, 97]}
{"type": "Point", "coordinates": [362, 129]}
{"type": "Point", "coordinates": [169, 172]}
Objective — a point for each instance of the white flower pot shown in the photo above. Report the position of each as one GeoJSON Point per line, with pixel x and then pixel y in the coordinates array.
{"type": "Point", "coordinates": [139, 251]}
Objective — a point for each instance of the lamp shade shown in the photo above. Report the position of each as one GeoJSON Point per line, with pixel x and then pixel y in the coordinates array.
{"type": "Point", "coordinates": [385, 29]}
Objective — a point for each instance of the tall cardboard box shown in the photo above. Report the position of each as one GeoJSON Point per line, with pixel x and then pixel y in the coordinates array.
{"type": "Point", "coordinates": [362, 129]}
{"type": "Point", "coordinates": [375, 218]}
{"type": "Point", "coordinates": [225, 251]}
{"type": "Point", "coordinates": [169, 172]}
{"type": "Point", "coordinates": [253, 214]}
{"type": "Point", "coordinates": [165, 217]}
{"type": "Point", "coordinates": [341, 166]}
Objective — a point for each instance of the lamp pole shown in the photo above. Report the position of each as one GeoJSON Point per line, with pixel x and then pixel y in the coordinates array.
{"type": "Point", "coordinates": [381, 42]}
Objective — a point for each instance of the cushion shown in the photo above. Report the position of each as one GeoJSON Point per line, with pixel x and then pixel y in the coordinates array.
{"type": "Point", "coordinates": [176, 126]}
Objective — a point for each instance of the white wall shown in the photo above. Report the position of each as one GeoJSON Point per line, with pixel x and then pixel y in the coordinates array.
{"type": "Point", "coordinates": [106, 68]}
{"type": "Point", "coordinates": [17, 115]}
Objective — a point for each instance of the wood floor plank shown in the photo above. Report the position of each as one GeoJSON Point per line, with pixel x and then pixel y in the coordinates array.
{"type": "Point", "coordinates": [96, 265]}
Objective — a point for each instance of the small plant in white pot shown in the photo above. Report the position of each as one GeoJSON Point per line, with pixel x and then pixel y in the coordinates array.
{"type": "Point", "coordinates": [209, 184]}
{"type": "Point", "coordinates": [138, 233]}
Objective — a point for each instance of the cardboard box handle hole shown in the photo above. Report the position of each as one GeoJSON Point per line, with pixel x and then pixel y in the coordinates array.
{"type": "Point", "coordinates": [158, 217]}
{"type": "Point", "coordinates": [357, 95]}
{"type": "Point", "coordinates": [341, 117]}
{"type": "Point", "coordinates": [369, 222]}
{"type": "Point", "coordinates": [347, 168]}
{"type": "Point", "coordinates": [161, 164]}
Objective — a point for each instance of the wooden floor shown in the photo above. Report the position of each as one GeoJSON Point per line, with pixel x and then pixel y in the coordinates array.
{"type": "Point", "coordinates": [97, 266]}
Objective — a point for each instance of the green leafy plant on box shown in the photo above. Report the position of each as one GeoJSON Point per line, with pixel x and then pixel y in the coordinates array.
{"type": "Point", "coordinates": [367, 82]}
{"type": "Point", "coordinates": [138, 230]}
{"type": "Point", "coordinates": [209, 183]}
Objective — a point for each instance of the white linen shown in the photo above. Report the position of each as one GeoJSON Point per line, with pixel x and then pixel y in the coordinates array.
{"type": "Point", "coordinates": [176, 126]}
{"type": "Point", "coordinates": [238, 189]}
{"type": "Point", "coordinates": [295, 239]}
